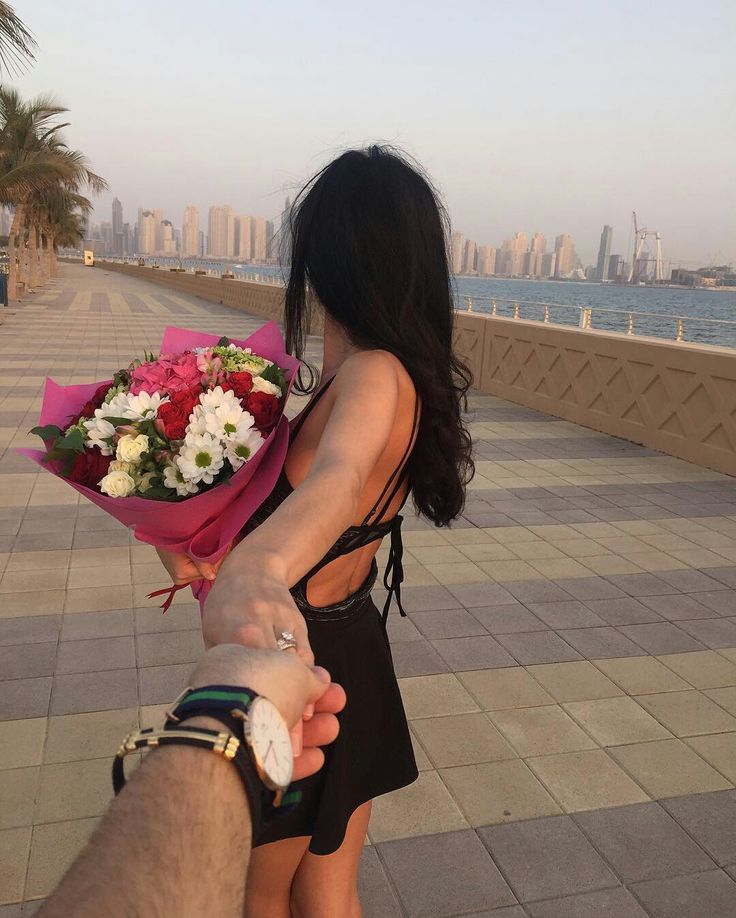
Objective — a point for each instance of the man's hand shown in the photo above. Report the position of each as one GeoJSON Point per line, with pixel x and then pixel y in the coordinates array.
{"type": "Point", "coordinates": [286, 681]}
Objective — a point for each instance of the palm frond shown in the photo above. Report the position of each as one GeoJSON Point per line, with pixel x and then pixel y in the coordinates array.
{"type": "Point", "coordinates": [17, 43]}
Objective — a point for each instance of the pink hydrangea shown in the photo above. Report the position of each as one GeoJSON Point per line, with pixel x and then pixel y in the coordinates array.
{"type": "Point", "coordinates": [167, 375]}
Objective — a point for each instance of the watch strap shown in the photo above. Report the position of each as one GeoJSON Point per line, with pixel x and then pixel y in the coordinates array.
{"type": "Point", "coordinates": [225, 698]}
{"type": "Point", "coordinates": [223, 743]}
{"type": "Point", "coordinates": [270, 810]}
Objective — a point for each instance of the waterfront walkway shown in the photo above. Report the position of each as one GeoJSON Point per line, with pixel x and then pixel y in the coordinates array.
{"type": "Point", "coordinates": [568, 664]}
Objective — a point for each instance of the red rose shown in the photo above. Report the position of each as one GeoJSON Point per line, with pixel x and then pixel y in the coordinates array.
{"type": "Point", "coordinates": [186, 400]}
{"type": "Point", "coordinates": [225, 386]}
{"type": "Point", "coordinates": [90, 467]}
{"type": "Point", "coordinates": [241, 383]}
{"type": "Point", "coordinates": [174, 420]}
{"type": "Point", "coordinates": [264, 408]}
{"type": "Point", "coordinates": [100, 394]}
{"type": "Point", "coordinates": [86, 411]}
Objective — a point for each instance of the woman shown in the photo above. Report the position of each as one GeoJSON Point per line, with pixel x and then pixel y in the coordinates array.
{"type": "Point", "coordinates": [369, 245]}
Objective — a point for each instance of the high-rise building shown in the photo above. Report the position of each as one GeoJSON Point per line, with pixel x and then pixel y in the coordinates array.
{"type": "Point", "coordinates": [604, 253]}
{"type": "Point", "coordinates": [271, 241]}
{"type": "Point", "coordinates": [243, 238]}
{"type": "Point", "coordinates": [486, 260]}
{"type": "Point", "coordinates": [202, 246]}
{"type": "Point", "coordinates": [615, 267]}
{"type": "Point", "coordinates": [118, 237]}
{"type": "Point", "coordinates": [168, 246]}
{"type": "Point", "coordinates": [458, 247]}
{"type": "Point", "coordinates": [469, 257]}
{"type": "Point", "coordinates": [259, 239]}
{"type": "Point", "coordinates": [539, 244]}
{"type": "Point", "coordinates": [107, 237]}
{"type": "Point", "coordinates": [190, 247]}
{"type": "Point", "coordinates": [128, 245]}
{"type": "Point", "coordinates": [158, 216]}
{"type": "Point", "coordinates": [221, 231]}
{"type": "Point", "coordinates": [566, 258]}
{"type": "Point", "coordinates": [146, 244]}
{"type": "Point", "coordinates": [284, 252]}
{"type": "Point", "coordinates": [549, 262]}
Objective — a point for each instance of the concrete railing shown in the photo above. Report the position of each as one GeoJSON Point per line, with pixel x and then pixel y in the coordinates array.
{"type": "Point", "coordinates": [675, 397]}
{"type": "Point", "coordinates": [265, 300]}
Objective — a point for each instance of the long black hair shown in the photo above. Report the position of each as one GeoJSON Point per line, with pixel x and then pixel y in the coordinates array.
{"type": "Point", "coordinates": [369, 243]}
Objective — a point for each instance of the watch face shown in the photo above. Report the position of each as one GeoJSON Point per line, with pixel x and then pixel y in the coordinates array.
{"type": "Point", "coordinates": [271, 743]}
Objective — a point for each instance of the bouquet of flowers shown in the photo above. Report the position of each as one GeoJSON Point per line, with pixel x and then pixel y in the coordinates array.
{"type": "Point", "coordinates": [182, 447]}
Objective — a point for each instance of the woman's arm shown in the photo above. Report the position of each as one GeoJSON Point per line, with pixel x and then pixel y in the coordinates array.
{"type": "Point", "coordinates": [250, 602]}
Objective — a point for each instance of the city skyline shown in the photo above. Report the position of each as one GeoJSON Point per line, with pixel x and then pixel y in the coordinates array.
{"type": "Point", "coordinates": [255, 239]}
{"type": "Point", "coordinates": [229, 235]}
{"type": "Point", "coordinates": [553, 117]}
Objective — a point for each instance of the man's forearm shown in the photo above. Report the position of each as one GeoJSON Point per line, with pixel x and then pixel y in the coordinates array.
{"type": "Point", "coordinates": [183, 817]}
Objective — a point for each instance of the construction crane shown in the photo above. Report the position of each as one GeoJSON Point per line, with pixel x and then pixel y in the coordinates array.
{"type": "Point", "coordinates": [640, 240]}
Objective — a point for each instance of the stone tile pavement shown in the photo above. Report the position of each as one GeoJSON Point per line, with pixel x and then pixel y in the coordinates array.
{"type": "Point", "coordinates": [568, 664]}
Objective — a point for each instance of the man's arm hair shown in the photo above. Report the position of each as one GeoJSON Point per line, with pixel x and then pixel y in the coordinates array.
{"type": "Point", "coordinates": [175, 842]}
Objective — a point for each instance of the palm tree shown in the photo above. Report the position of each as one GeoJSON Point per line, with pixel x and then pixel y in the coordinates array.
{"type": "Point", "coordinates": [61, 224]}
{"type": "Point", "coordinates": [17, 44]}
{"type": "Point", "coordinates": [34, 159]}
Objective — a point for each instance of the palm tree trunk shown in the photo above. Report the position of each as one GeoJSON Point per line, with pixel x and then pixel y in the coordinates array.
{"type": "Point", "coordinates": [52, 255]}
{"type": "Point", "coordinates": [45, 263]}
{"type": "Point", "coordinates": [13, 253]}
{"type": "Point", "coordinates": [32, 256]}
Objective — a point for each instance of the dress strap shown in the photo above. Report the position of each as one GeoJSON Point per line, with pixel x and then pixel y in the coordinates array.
{"type": "Point", "coordinates": [304, 414]}
{"type": "Point", "coordinates": [393, 576]}
{"type": "Point", "coordinates": [397, 478]}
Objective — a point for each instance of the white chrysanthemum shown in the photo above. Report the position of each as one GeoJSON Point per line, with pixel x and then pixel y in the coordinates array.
{"type": "Point", "coordinates": [99, 432]}
{"type": "Point", "coordinates": [197, 424]}
{"type": "Point", "coordinates": [117, 484]}
{"type": "Point", "coordinates": [239, 451]}
{"type": "Point", "coordinates": [201, 458]}
{"type": "Point", "coordinates": [217, 398]}
{"type": "Point", "coordinates": [173, 478]}
{"type": "Point", "coordinates": [263, 385]}
{"type": "Point", "coordinates": [225, 422]}
{"type": "Point", "coordinates": [144, 405]}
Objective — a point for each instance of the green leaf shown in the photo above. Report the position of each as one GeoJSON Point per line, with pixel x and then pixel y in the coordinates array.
{"type": "Point", "coordinates": [275, 375]}
{"type": "Point", "coordinates": [118, 422]}
{"type": "Point", "coordinates": [73, 441]}
{"type": "Point", "coordinates": [48, 432]}
{"type": "Point", "coordinates": [223, 342]}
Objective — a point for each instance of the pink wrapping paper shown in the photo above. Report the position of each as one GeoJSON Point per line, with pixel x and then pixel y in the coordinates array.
{"type": "Point", "coordinates": [202, 526]}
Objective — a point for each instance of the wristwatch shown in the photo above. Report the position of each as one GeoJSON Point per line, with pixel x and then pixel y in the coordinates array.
{"type": "Point", "coordinates": [250, 718]}
{"type": "Point", "coordinates": [256, 740]}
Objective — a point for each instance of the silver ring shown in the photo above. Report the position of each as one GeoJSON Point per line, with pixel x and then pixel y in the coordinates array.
{"type": "Point", "coordinates": [286, 641]}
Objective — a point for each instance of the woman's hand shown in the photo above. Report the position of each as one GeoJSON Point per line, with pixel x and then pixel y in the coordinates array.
{"type": "Point", "coordinates": [183, 570]}
{"type": "Point", "coordinates": [253, 609]}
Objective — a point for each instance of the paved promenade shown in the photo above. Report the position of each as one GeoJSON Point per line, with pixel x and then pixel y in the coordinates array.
{"type": "Point", "coordinates": [568, 665]}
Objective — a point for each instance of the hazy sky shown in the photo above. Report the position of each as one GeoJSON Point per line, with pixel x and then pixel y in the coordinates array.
{"type": "Point", "coordinates": [553, 116]}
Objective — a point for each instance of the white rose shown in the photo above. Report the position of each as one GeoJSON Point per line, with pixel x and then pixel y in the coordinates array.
{"type": "Point", "coordinates": [263, 385]}
{"type": "Point", "coordinates": [117, 484]}
{"type": "Point", "coordinates": [130, 449]}
{"type": "Point", "coordinates": [118, 466]}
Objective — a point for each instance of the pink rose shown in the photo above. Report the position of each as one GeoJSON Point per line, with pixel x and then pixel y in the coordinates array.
{"type": "Point", "coordinates": [167, 375]}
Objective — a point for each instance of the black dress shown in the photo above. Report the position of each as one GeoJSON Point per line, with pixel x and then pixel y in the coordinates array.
{"type": "Point", "coordinates": [373, 753]}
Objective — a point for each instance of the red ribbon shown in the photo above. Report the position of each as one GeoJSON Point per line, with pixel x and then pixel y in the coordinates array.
{"type": "Point", "coordinates": [170, 592]}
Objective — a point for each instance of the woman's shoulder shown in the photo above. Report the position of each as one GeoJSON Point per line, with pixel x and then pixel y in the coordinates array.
{"type": "Point", "coordinates": [379, 369]}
